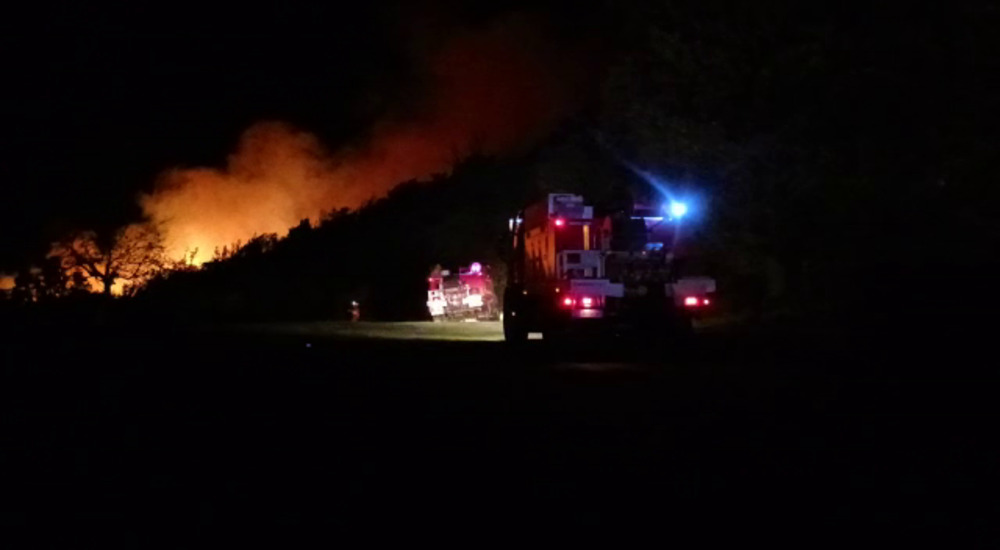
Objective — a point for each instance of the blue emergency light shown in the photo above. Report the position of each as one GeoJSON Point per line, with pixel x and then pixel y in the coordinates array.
{"type": "Point", "coordinates": [676, 209]}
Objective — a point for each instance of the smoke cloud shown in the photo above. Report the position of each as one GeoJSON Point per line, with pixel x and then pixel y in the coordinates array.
{"type": "Point", "coordinates": [490, 91]}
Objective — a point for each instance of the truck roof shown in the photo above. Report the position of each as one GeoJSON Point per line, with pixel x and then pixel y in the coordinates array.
{"type": "Point", "coordinates": [557, 205]}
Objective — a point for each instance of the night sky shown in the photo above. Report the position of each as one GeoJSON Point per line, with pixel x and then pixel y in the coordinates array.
{"type": "Point", "coordinates": [96, 103]}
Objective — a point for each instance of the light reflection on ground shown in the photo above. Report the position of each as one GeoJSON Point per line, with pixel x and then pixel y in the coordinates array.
{"type": "Point", "coordinates": [487, 331]}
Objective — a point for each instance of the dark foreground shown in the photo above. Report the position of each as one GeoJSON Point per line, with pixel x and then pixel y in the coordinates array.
{"type": "Point", "coordinates": [736, 433]}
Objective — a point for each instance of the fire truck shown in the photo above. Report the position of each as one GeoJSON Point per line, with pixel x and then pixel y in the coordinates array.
{"type": "Point", "coordinates": [462, 297]}
{"type": "Point", "coordinates": [574, 269]}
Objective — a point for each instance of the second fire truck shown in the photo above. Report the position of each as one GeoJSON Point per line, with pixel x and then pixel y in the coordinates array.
{"type": "Point", "coordinates": [465, 296]}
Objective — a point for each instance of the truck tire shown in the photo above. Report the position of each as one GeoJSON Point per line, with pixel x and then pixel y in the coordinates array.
{"type": "Point", "coordinates": [514, 331]}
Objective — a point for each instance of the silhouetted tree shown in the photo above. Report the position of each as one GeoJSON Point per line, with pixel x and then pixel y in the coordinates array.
{"type": "Point", "coordinates": [132, 255]}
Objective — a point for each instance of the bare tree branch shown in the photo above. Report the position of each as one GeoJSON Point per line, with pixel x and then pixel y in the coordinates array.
{"type": "Point", "coordinates": [134, 255]}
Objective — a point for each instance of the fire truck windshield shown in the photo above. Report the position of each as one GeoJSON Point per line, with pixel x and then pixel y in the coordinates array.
{"type": "Point", "coordinates": [629, 234]}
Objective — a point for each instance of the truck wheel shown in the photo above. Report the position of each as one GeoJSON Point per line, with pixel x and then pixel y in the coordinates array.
{"type": "Point", "coordinates": [514, 331]}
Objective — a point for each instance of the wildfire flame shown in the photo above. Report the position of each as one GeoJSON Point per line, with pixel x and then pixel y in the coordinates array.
{"type": "Point", "coordinates": [490, 91]}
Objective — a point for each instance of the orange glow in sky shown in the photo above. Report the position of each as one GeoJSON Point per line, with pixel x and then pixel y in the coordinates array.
{"type": "Point", "coordinates": [490, 91]}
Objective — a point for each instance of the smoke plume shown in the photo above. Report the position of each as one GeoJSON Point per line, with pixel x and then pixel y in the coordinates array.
{"type": "Point", "coordinates": [489, 91]}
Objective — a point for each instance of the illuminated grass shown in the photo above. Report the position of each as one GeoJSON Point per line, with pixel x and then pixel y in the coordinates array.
{"type": "Point", "coordinates": [472, 332]}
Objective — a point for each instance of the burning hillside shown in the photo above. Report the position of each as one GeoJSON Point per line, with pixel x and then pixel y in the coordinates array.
{"type": "Point", "coordinates": [487, 91]}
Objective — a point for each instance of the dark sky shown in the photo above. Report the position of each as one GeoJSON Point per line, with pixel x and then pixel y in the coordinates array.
{"type": "Point", "coordinates": [96, 103]}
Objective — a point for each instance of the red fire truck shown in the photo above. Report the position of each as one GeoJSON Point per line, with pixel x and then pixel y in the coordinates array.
{"type": "Point", "coordinates": [572, 269]}
{"type": "Point", "coordinates": [465, 296]}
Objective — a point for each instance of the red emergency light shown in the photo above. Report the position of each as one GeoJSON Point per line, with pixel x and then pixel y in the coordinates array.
{"type": "Point", "coordinates": [587, 302]}
{"type": "Point", "coordinates": [691, 301]}
{"type": "Point", "coordinates": [568, 302]}
{"type": "Point", "coordinates": [560, 222]}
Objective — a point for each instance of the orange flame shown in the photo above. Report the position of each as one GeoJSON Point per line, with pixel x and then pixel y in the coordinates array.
{"type": "Point", "coordinates": [270, 182]}
{"type": "Point", "coordinates": [6, 282]}
{"type": "Point", "coordinates": [490, 91]}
